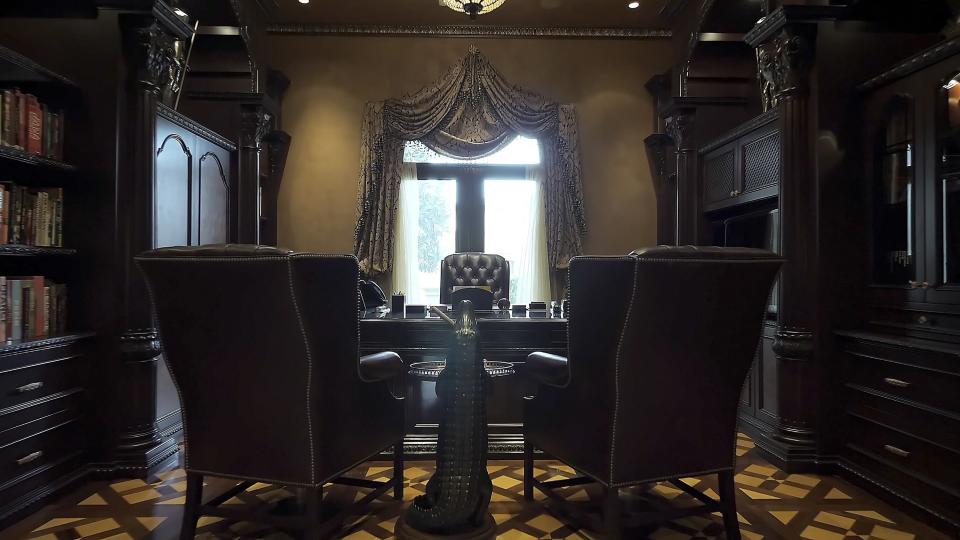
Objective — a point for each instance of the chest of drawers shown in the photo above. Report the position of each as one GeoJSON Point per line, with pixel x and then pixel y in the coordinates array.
{"type": "Point", "coordinates": [42, 420]}
{"type": "Point", "coordinates": [901, 400]}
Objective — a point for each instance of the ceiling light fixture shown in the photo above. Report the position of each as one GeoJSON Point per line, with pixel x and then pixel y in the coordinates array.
{"type": "Point", "coordinates": [473, 7]}
{"type": "Point", "coordinates": [304, 1]}
{"type": "Point", "coordinates": [633, 5]}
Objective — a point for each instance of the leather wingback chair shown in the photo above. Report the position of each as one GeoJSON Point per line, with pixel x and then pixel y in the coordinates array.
{"type": "Point", "coordinates": [660, 343]}
{"type": "Point", "coordinates": [474, 269]}
{"type": "Point", "coordinates": [262, 345]}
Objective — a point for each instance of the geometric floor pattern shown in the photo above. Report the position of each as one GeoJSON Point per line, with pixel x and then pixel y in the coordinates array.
{"type": "Point", "coordinates": [771, 505]}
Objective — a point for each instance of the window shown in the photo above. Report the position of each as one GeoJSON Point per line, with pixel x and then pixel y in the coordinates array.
{"type": "Point", "coordinates": [493, 204]}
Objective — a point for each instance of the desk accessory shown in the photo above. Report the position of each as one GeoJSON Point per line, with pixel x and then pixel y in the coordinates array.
{"type": "Point", "coordinates": [503, 304]}
{"type": "Point", "coordinates": [520, 308]}
{"type": "Point", "coordinates": [538, 306]}
{"type": "Point", "coordinates": [397, 302]}
{"type": "Point", "coordinates": [415, 309]}
{"type": "Point", "coordinates": [555, 307]}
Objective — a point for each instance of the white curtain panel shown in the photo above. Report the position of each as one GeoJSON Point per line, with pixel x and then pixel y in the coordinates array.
{"type": "Point", "coordinates": [515, 228]}
{"type": "Point", "coordinates": [405, 268]}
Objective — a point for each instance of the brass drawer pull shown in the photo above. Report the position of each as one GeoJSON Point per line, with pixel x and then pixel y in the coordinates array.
{"type": "Point", "coordinates": [896, 451]}
{"type": "Point", "coordinates": [30, 387]}
{"type": "Point", "coordinates": [30, 457]}
{"type": "Point", "coordinates": [896, 382]}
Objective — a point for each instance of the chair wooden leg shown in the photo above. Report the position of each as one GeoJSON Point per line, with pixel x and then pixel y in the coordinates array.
{"type": "Point", "coordinates": [313, 498]}
{"type": "Point", "coordinates": [191, 508]}
{"type": "Point", "coordinates": [527, 470]}
{"type": "Point", "coordinates": [728, 500]}
{"type": "Point", "coordinates": [613, 514]}
{"type": "Point", "coordinates": [398, 470]}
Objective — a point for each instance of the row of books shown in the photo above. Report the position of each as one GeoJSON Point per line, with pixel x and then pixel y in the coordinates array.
{"type": "Point", "coordinates": [27, 124]}
{"type": "Point", "coordinates": [31, 216]}
{"type": "Point", "coordinates": [31, 307]}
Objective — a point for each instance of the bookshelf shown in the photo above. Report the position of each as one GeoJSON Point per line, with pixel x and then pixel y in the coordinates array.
{"type": "Point", "coordinates": [26, 345]}
{"type": "Point", "coordinates": [47, 367]}
{"type": "Point", "coordinates": [20, 250]}
{"type": "Point", "coordinates": [15, 155]}
{"type": "Point", "coordinates": [17, 68]}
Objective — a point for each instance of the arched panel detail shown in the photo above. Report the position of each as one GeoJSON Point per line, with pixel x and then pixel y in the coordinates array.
{"type": "Point", "coordinates": [213, 205]}
{"type": "Point", "coordinates": [172, 197]}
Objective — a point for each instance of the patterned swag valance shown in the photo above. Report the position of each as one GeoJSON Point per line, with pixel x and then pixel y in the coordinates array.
{"type": "Point", "coordinates": [471, 112]}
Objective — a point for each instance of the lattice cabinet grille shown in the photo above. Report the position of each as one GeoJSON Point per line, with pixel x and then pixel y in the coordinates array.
{"type": "Point", "coordinates": [761, 162]}
{"type": "Point", "coordinates": [719, 175]}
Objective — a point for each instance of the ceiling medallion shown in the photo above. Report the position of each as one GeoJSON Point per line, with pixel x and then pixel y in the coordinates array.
{"type": "Point", "coordinates": [473, 7]}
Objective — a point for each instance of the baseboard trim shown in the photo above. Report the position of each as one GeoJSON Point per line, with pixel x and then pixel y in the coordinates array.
{"type": "Point", "coordinates": [871, 483]}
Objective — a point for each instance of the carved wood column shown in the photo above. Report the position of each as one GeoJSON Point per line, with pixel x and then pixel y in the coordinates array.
{"type": "Point", "coordinates": [680, 127]}
{"type": "Point", "coordinates": [788, 55]}
{"type": "Point", "coordinates": [153, 48]}
{"type": "Point", "coordinates": [277, 144]}
{"type": "Point", "coordinates": [255, 122]}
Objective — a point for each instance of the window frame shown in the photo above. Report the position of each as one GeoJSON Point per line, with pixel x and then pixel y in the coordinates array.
{"type": "Point", "coordinates": [470, 212]}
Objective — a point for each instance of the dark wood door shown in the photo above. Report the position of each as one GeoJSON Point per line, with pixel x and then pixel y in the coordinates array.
{"type": "Point", "coordinates": [191, 188]}
{"type": "Point", "coordinates": [173, 185]}
{"type": "Point", "coordinates": [212, 209]}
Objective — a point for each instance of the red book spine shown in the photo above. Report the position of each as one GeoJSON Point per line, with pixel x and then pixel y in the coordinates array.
{"type": "Point", "coordinates": [21, 139]}
{"type": "Point", "coordinates": [4, 314]}
{"type": "Point", "coordinates": [4, 214]}
{"type": "Point", "coordinates": [9, 120]}
{"type": "Point", "coordinates": [39, 324]}
{"type": "Point", "coordinates": [34, 143]}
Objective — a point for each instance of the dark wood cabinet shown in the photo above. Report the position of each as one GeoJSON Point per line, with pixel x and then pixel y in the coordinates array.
{"type": "Point", "coordinates": [193, 192]}
{"type": "Point", "coordinates": [900, 376]}
{"type": "Point", "coordinates": [743, 166]}
{"type": "Point", "coordinates": [914, 189]}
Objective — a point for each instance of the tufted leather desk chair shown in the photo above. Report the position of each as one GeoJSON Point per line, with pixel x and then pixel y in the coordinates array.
{"type": "Point", "coordinates": [262, 344]}
{"type": "Point", "coordinates": [659, 345]}
{"type": "Point", "coordinates": [474, 269]}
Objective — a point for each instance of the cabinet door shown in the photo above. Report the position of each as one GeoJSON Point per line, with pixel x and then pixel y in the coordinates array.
{"type": "Point", "coordinates": [212, 193]}
{"type": "Point", "coordinates": [760, 164]}
{"type": "Point", "coordinates": [942, 278]}
{"type": "Point", "coordinates": [719, 176]}
{"type": "Point", "coordinates": [173, 185]}
{"type": "Point", "coordinates": [895, 173]}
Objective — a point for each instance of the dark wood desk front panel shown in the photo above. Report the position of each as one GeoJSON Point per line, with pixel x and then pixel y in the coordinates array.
{"type": "Point", "coordinates": [503, 336]}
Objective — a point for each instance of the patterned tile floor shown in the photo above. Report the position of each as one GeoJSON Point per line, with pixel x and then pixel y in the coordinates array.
{"type": "Point", "coordinates": [772, 505]}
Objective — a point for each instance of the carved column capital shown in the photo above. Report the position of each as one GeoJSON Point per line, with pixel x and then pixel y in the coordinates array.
{"type": "Point", "coordinates": [255, 123]}
{"type": "Point", "coordinates": [784, 62]}
{"type": "Point", "coordinates": [658, 147]}
{"type": "Point", "coordinates": [680, 128]}
{"type": "Point", "coordinates": [155, 57]}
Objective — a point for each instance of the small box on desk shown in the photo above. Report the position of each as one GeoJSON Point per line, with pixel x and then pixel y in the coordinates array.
{"type": "Point", "coordinates": [397, 303]}
{"type": "Point", "coordinates": [415, 310]}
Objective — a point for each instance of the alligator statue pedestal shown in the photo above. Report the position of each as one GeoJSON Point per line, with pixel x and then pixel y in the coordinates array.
{"type": "Point", "coordinates": [457, 499]}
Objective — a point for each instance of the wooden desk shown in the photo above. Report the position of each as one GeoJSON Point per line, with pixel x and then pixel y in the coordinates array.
{"type": "Point", "coordinates": [503, 336]}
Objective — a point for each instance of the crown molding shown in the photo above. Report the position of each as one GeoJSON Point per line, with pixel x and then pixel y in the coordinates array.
{"type": "Point", "coordinates": [467, 31]}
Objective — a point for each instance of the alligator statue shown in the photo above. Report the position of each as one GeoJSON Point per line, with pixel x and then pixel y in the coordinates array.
{"type": "Point", "coordinates": [458, 495]}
